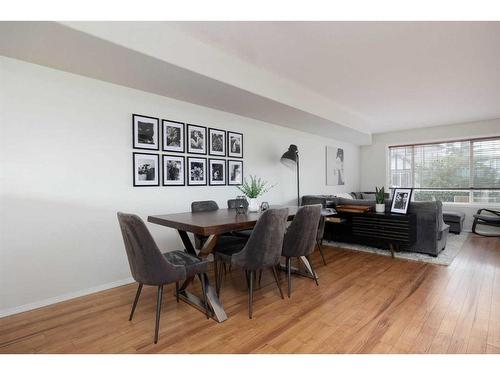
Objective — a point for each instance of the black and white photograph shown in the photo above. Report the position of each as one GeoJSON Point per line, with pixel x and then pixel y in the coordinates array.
{"type": "Point", "coordinates": [335, 166]}
{"type": "Point", "coordinates": [217, 168]}
{"type": "Point", "coordinates": [145, 132]}
{"type": "Point", "coordinates": [401, 200]}
{"type": "Point", "coordinates": [197, 139]}
{"type": "Point", "coordinates": [173, 136]}
{"type": "Point", "coordinates": [216, 142]}
{"type": "Point", "coordinates": [146, 169]}
{"type": "Point", "coordinates": [197, 171]}
{"type": "Point", "coordinates": [235, 172]}
{"type": "Point", "coordinates": [173, 170]}
{"type": "Point", "coordinates": [234, 145]}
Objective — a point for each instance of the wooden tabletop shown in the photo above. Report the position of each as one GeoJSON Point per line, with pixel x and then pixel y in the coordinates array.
{"type": "Point", "coordinates": [213, 222]}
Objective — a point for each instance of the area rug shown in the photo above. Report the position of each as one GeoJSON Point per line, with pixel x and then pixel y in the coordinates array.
{"type": "Point", "coordinates": [445, 258]}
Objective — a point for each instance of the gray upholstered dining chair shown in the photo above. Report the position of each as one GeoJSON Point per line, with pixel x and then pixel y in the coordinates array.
{"type": "Point", "coordinates": [150, 267]}
{"type": "Point", "coordinates": [300, 238]}
{"type": "Point", "coordinates": [262, 251]}
{"type": "Point", "coordinates": [319, 237]}
{"type": "Point", "coordinates": [226, 240]}
{"type": "Point", "coordinates": [232, 204]}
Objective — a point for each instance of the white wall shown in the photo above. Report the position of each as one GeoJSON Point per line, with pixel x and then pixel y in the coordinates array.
{"type": "Point", "coordinates": [66, 169]}
{"type": "Point", "coordinates": [374, 158]}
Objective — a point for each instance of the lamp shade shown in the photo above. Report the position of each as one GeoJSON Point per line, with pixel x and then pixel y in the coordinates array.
{"type": "Point", "coordinates": [290, 157]}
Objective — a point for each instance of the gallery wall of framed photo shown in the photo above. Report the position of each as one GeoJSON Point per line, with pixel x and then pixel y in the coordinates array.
{"type": "Point", "coordinates": [183, 154]}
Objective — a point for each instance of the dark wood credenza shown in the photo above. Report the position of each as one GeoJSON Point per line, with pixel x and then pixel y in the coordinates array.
{"type": "Point", "coordinates": [374, 229]}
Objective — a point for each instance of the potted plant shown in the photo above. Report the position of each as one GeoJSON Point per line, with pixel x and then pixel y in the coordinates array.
{"type": "Point", "coordinates": [379, 200]}
{"type": "Point", "coordinates": [254, 189]}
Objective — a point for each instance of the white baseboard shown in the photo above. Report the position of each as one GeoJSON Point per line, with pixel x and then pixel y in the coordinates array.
{"type": "Point", "coordinates": [63, 297]}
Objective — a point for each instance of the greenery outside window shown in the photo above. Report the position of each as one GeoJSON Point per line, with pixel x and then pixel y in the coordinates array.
{"type": "Point", "coordinates": [464, 171]}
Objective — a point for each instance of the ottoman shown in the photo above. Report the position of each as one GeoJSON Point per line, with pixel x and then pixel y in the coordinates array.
{"type": "Point", "coordinates": [455, 220]}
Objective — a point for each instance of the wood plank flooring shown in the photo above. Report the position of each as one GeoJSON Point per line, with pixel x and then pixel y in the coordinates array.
{"type": "Point", "coordinates": [365, 304]}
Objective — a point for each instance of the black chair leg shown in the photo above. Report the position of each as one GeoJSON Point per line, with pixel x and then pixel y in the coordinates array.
{"type": "Point", "coordinates": [158, 311]}
{"type": "Point", "coordinates": [177, 291]}
{"type": "Point", "coordinates": [289, 275]}
{"type": "Point", "coordinates": [250, 293]}
{"type": "Point", "coordinates": [203, 279]}
{"type": "Point", "coordinates": [275, 274]}
{"type": "Point", "coordinates": [313, 272]}
{"type": "Point", "coordinates": [260, 276]}
{"type": "Point", "coordinates": [137, 294]}
{"type": "Point", "coordinates": [321, 252]}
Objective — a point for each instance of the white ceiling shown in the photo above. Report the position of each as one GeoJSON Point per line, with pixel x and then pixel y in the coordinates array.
{"type": "Point", "coordinates": [396, 75]}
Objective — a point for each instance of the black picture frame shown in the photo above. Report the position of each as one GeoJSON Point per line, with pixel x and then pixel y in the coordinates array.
{"type": "Point", "coordinates": [210, 174]}
{"type": "Point", "coordinates": [234, 183]}
{"type": "Point", "coordinates": [224, 142]}
{"type": "Point", "coordinates": [188, 171]}
{"type": "Point", "coordinates": [230, 153]}
{"type": "Point", "coordinates": [136, 173]}
{"type": "Point", "coordinates": [180, 158]}
{"type": "Point", "coordinates": [136, 141]}
{"type": "Point", "coordinates": [182, 142]}
{"type": "Point", "coordinates": [190, 149]}
{"type": "Point", "coordinates": [400, 203]}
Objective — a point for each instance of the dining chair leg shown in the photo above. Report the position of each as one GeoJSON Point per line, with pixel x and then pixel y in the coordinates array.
{"type": "Point", "coordinates": [158, 311]}
{"type": "Point", "coordinates": [177, 291]}
{"type": "Point", "coordinates": [260, 276]}
{"type": "Point", "coordinates": [313, 272]}
{"type": "Point", "coordinates": [250, 293]}
{"type": "Point", "coordinates": [137, 294]}
{"type": "Point", "coordinates": [289, 275]}
{"type": "Point", "coordinates": [203, 279]}
{"type": "Point", "coordinates": [275, 274]}
{"type": "Point", "coordinates": [321, 252]}
{"type": "Point", "coordinates": [246, 278]}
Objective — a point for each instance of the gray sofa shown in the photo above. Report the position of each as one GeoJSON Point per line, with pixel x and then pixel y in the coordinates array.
{"type": "Point", "coordinates": [432, 232]}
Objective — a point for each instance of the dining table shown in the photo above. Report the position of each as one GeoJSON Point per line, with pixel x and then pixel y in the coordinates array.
{"type": "Point", "coordinates": [213, 224]}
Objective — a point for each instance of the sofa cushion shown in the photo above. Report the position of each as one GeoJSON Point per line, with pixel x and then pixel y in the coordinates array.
{"type": "Point", "coordinates": [369, 196]}
{"type": "Point", "coordinates": [344, 195]}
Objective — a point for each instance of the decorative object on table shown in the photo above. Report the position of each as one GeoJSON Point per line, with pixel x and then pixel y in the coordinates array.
{"type": "Point", "coordinates": [353, 208]}
{"type": "Point", "coordinates": [145, 131]}
{"type": "Point", "coordinates": [401, 200]}
{"type": "Point", "coordinates": [216, 142]}
{"type": "Point", "coordinates": [235, 172]}
{"type": "Point", "coordinates": [173, 170]}
{"type": "Point", "coordinates": [146, 169]}
{"type": "Point", "coordinates": [335, 166]}
{"type": "Point", "coordinates": [173, 136]}
{"type": "Point", "coordinates": [234, 145]}
{"type": "Point", "coordinates": [291, 159]}
{"type": "Point", "coordinates": [379, 200]}
{"type": "Point", "coordinates": [197, 139]}
{"type": "Point", "coordinates": [242, 205]}
{"type": "Point", "coordinates": [264, 206]}
{"type": "Point", "coordinates": [254, 189]}
{"type": "Point", "coordinates": [217, 170]}
{"type": "Point", "coordinates": [197, 171]}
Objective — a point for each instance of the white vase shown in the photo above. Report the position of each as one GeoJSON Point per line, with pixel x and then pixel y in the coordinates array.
{"type": "Point", "coordinates": [380, 207]}
{"type": "Point", "coordinates": [253, 205]}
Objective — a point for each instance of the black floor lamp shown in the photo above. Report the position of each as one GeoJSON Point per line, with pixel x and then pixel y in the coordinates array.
{"type": "Point", "coordinates": [291, 158]}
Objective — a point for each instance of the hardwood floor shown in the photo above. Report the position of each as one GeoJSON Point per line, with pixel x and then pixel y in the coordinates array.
{"type": "Point", "coordinates": [365, 304]}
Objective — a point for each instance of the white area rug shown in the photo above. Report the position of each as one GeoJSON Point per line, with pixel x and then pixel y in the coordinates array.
{"type": "Point", "coordinates": [453, 246]}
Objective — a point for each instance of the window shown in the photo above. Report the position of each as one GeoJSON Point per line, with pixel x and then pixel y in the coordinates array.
{"type": "Point", "coordinates": [465, 171]}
